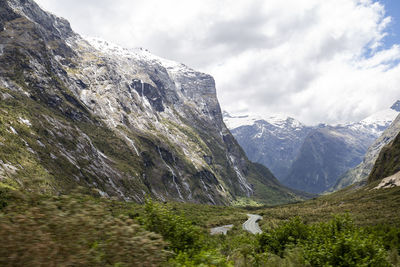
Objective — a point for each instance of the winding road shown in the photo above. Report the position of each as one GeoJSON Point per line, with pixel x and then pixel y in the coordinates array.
{"type": "Point", "coordinates": [250, 225]}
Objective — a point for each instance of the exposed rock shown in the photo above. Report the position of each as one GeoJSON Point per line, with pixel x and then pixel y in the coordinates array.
{"type": "Point", "coordinates": [273, 141]}
{"type": "Point", "coordinates": [388, 161]}
{"type": "Point", "coordinates": [396, 106]}
{"type": "Point", "coordinates": [124, 122]}
{"type": "Point", "coordinates": [307, 158]}
{"type": "Point", "coordinates": [360, 173]}
{"type": "Point", "coordinates": [389, 182]}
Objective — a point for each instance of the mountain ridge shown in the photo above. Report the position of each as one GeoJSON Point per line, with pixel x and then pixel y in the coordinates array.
{"type": "Point", "coordinates": [360, 173]}
{"type": "Point", "coordinates": [299, 142]}
{"type": "Point", "coordinates": [120, 123]}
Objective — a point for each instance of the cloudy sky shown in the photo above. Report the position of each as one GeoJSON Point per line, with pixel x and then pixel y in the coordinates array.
{"type": "Point", "coordinates": [316, 60]}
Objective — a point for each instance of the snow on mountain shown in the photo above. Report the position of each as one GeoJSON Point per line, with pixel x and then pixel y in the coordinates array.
{"type": "Point", "coordinates": [292, 150]}
{"type": "Point", "coordinates": [272, 140]}
{"type": "Point", "coordinates": [382, 118]}
{"type": "Point", "coordinates": [120, 121]}
{"type": "Point", "coordinates": [139, 53]}
{"type": "Point", "coordinates": [361, 172]}
{"type": "Point", "coordinates": [277, 120]}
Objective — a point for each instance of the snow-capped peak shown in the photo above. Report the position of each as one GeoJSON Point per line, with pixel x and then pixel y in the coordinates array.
{"type": "Point", "coordinates": [376, 123]}
{"type": "Point", "coordinates": [108, 47]}
{"type": "Point", "coordinates": [278, 120]}
{"type": "Point", "coordinates": [382, 117]}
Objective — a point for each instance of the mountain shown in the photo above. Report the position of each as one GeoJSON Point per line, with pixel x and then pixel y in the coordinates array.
{"type": "Point", "coordinates": [112, 121]}
{"type": "Point", "coordinates": [308, 158]}
{"type": "Point", "coordinates": [387, 164]}
{"type": "Point", "coordinates": [273, 141]}
{"type": "Point", "coordinates": [325, 154]}
{"type": "Point", "coordinates": [362, 171]}
{"type": "Point", "coordinates": [330, 151]}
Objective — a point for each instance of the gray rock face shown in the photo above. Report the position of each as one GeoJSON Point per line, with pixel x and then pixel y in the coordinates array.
{"type": "Point", "coordinates": [274, 143]}
{"type": "Point", "coordinates": [325, 154]}
{"type": "Point", "coordinates": [306, 158]}
{"type": "Point", "coordinates": [396, 106]}
{"type": "Point", "coordinates": [361, 172]}
{"type": "Point", "coordinates": [123, 122]}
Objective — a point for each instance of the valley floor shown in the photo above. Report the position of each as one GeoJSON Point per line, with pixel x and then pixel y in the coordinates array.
{"type": "Point", "coordinates": [352, 227]}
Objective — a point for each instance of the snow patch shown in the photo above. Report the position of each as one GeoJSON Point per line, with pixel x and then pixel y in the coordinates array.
{"type": "Point", "coordinates": [277, 120]}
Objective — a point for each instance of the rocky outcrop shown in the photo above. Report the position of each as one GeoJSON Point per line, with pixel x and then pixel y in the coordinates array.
{"type": "Point", "coordinates": [389, 182]}
{"type": "Point", "coordinates": [388, 161]}
{"type": "Point", "coordinates": [360, 173]}
{"type": "Point", "coordinates": [116, 122]}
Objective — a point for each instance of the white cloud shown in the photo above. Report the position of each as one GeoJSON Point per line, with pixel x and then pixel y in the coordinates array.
{"type": "Point", "coordinates": [306, 58]}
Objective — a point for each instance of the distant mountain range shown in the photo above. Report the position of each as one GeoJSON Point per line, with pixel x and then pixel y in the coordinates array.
{"type": "Point", "coordinates": [273, 141]}
{"type": "Point", "coordinates": [360, 173]}
{"type": "Point", "coordinates": [309, 158]}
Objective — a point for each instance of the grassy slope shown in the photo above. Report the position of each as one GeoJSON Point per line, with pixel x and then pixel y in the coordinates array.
{"type": "Point", "coordinates": [366, 206]}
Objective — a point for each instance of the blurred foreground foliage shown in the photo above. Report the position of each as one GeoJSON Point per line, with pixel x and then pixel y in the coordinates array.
{"type": "Point", "coordinates": [80, 230]}
{"type": "Point", "coordinates": [73, 231]}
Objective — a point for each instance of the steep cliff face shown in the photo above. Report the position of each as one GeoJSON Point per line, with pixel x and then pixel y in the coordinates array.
{"type": "Point", "coordinates": [117, 122]}
{"type": "Point", "coordinates": [360, 173]}
{"type": "Point", "coordinates": [388, 162]}
{"type": "Point", "coordinates": [273, 141]}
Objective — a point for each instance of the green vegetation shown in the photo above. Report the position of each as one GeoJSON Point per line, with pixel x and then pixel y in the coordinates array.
{"type": "Point", "coordinates": [73, 231]}
{"type": "Point", "coordinates": [388, 161]}
{"type": "Point", "coordinates": [366, 206]}
{"type": "Point", "coordinates": [81, 230]}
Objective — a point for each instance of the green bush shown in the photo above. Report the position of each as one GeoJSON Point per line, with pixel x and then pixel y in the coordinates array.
{"type": "Point", "coordinates": [181, 234]}
{"type": "Point", "coordinates": [204, 258]}
{"type": "Point", "coordinates": [340, 243]}
{"type": "Point", "coordinates": [389, 235]}
{"type": "Point", "coordinates": [335, 243]}
{"type": "Point", "coordinates": [286, 234]}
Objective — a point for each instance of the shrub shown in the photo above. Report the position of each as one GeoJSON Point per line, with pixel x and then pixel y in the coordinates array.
{"type": "Point", "coordinates": [181, 234]}
{"type": "Point", "coordinates": [335, 243]}
{"type": "Point", "coordinates": [286, 234]}
{"type": "Point", "coordinates": [67, 231]}
{"type": "Point", "coordinates": [210, 257]}
{"type": "Point", "coordinates": [340, 243]}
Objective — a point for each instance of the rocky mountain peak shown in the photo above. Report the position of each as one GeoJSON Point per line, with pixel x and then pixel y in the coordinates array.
{"type": "Point", "coordinates": [396, 106]}
{"type": "Point", "coordinates": [32, 11]}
